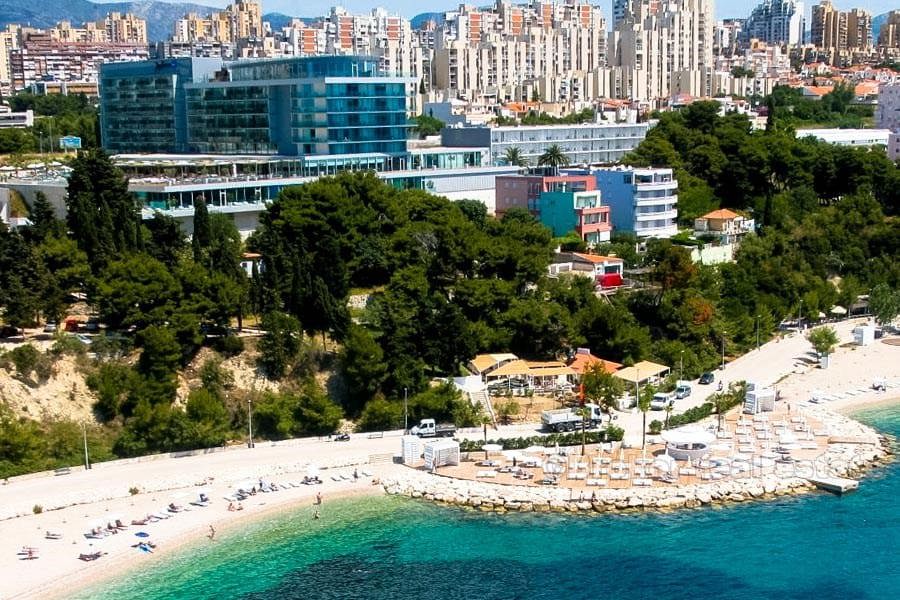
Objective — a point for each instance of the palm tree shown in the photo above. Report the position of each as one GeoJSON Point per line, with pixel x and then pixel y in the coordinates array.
{"type": "Point", "coordinates": [554, 157]}
{"type": "Point", "coordinates": [644, 399]}
{"type": "Point", "coordinates": [513, 157]}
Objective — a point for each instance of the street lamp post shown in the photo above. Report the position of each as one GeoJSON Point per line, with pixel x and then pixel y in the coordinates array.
{"type": "Point", "coordinates": [757, 332]}
{"type": "Point", "coordinates": [723, 349]}
{"type": "Point", "coordinates": [405, 411]}
{"type": "Point", "coordinates": [800, 316]}
{"type": "Point", "coordinates": [681, 366]}
{"type": "Point", "coordinates": [250, 421]}
{"type": "Point", "coordinates": [87, 458]}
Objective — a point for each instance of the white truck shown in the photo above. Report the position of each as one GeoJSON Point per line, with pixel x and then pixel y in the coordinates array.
{"type": "Point", "coordinates": [569, 419]}
{"type": "Point", "coordinates": [428, 428]}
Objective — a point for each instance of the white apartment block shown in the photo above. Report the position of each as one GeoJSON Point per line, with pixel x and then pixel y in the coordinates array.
{"type": "Point", "coordinates": [510, 52]}
{"type": "Point", "coordinates": [776, 22]}
{"type": "Point", "coordinates": [664, 48]}
{"type": "Point", "coordinates": [888, 117]}
{"type": "Point", "coordinates": [585, 144]}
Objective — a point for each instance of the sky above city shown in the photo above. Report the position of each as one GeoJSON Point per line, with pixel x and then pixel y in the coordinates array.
{"type": "Point", "coordinates": [410, 8]}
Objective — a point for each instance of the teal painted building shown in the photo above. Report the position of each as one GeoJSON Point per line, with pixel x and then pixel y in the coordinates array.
{"type": "Point", "coordinates": [580, 212]}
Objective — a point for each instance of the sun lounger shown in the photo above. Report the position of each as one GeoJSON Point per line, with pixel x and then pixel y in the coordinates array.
{"type": "Point", "coordinates": [89, 556]}
{"type": "Point", "coordinates": [487, 474]}
{"type": "Point", "coordinates": [366, 473]}
{"type": "Point", "coordinates": [642, 482]}
{"type": "Point", "coordinates": [53, 535]}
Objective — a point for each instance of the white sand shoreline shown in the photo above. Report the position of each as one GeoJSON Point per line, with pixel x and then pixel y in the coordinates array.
{"type": "Point", "coordinates": [86, 496]}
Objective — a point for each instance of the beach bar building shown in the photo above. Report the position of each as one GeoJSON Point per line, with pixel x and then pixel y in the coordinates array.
{"type": "Point", "coordinates": [690, 442]}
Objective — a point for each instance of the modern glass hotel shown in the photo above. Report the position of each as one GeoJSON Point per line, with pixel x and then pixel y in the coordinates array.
{"type": "Point", "coordinates": [323, 105]}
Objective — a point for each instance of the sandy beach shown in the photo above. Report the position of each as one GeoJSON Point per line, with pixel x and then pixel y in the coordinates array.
{"type": "Point", "coordinates": [73, 504]}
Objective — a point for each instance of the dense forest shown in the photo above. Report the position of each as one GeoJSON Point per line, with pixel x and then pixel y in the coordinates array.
{"type": "Point", "coordinates": [445, 281]}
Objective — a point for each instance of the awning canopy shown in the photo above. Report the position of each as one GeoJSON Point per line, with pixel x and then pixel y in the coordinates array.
{"type": "Point", "coordinates": [511, 369]}
{"type": "Point", "coordinates": [486, 362]}
{"type": "Point", "coordinates": [642, 371]}
{"type": "Point", "coordinates": [549, 369]}
{"type": "Point", "coordinates": [838, 310]}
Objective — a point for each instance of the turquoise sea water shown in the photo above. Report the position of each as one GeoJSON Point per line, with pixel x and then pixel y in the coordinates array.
{"type": "Point", "coordinates": [817, 546]}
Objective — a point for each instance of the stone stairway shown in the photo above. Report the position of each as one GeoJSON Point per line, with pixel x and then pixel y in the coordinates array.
{"type": "Point", "coordinates": [481, 398]}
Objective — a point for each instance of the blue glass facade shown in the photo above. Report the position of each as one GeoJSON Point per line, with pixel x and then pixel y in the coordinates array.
{"type": "Point", "coordinates": [328, 105]}
{"type": "Point", "coordinates": [142, 104]}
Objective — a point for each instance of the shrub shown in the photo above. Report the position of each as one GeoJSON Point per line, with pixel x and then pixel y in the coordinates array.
{"type": "Point", "coordinates": [134, 491]}
{"type": "Point", "coordinates": [229, 345]}
{"type": "Point", "coordinates": [68, 344]}
{"type": "Point", "coordinates": [27, 359]}
{"type": "Point", "coordinates": [611, 434]}
{"type": "Point", "coordinates": [37, 509]}
{"type": "Point", "coordinates": [380, 414]}
{"type": "Point", "coordinates": [656, 427]}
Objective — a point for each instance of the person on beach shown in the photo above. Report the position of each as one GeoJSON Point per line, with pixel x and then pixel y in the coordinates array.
{"type": "Point", "coordinates": [355, 475]}
{"type": "Point", "coordinates": [231, 507]}
{"type": "Point", "coordinates": [316, 514]}
{"type": "Point", "coordinates": [212, 533]}
{"type": "Point", "coordinates": [318, 498]}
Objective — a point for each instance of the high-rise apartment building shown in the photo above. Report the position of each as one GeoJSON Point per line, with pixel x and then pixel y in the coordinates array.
{"type": "Point", "coordinates": [518, 52]}
{"type": "Point", "coordinates": [776, 22]}
{"type": "Point", "coordinates": [888, 37]}
{"type": "Point", "coordinates": [124, 29]}
{"type": "Point", "coordinates": [241, 20]}
{"type": "Point", "coordinates": [664, 48]}
{"type": "Point", "coordinates": [9, 41]}
{"type": "Point", "coordinates": [859, 29]}
{"type": "Point", "coordinates": [828, 27]}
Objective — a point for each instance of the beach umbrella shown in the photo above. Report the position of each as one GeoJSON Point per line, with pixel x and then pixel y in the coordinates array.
{"type": "Point", "coordinates": [492, 447]}
{"type": "Point", "coordinates": [664, 463]}
{"type": "Point", "coordinates": [838, 310]}
{"type": "Point", "coordinates": [142, 534]}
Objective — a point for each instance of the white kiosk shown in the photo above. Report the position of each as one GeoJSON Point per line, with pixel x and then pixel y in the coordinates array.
{"type": "Point", "coordinates": [441, 452]}
{"type": "Point", "coordinates": [412, 449]}
{"type": "Point", "coordinates": [759, 399]}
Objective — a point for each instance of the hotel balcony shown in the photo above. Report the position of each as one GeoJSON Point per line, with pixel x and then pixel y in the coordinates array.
{"type": "Point", "coordinates": [655, 216]}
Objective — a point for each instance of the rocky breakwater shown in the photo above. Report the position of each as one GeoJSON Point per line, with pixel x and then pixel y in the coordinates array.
{"type": "Point", "coordinates": [845, 459]}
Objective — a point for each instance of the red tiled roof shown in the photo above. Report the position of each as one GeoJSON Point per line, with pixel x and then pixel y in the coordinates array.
{"type": "Point", "coordinates": [597, 259]}
{"type": "Point", "coordinates": [581, 362]}
{"type": "Point", "coordinates": [722, 213]}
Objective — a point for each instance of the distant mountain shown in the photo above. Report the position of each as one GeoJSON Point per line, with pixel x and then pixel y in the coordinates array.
{"type": "Point", "coordinates": [877, 22]}
{"type": "Point", "coordinates": [160, 16]}
{"type": "Point", "coordinates": [280, 20]}
{"type": "Point", "coordinates": [417, 21]}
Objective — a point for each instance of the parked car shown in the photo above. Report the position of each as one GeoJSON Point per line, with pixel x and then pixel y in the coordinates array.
{"type": "Point", "coordinates": [50, 327]}
{"type": "Point", "coordinates": [84, 339]}
{"type": "Point", "coordinates": [662, 400]}
{"type": "Point", "coordinates": [8, 333]}
{"type": "Point", "coordinates": [682, 391]}
{"type": "Point", "coordinates": [707, 378]}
